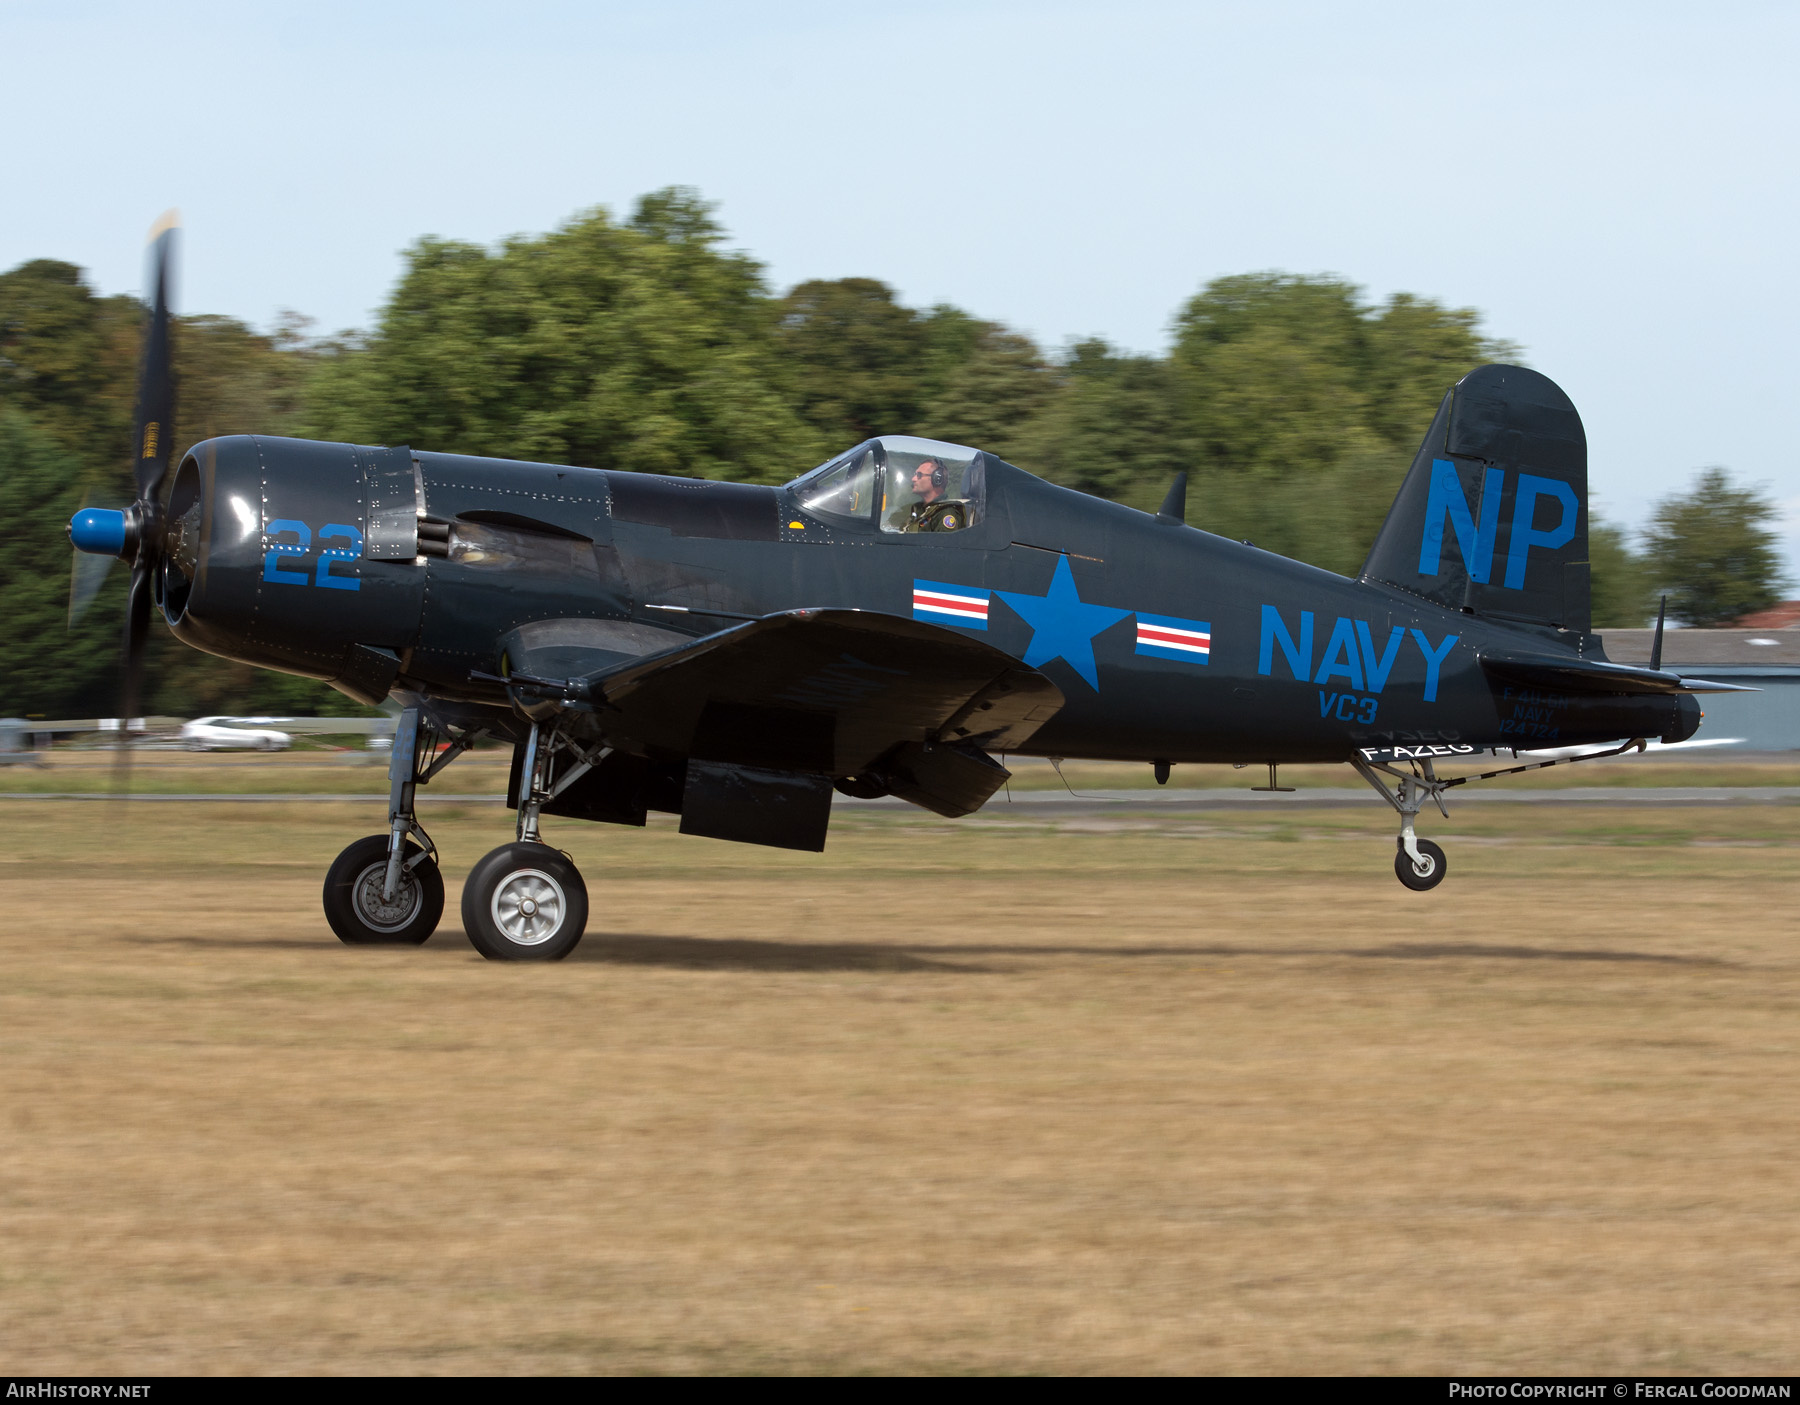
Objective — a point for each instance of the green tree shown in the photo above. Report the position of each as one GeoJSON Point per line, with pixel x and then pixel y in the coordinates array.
{"type": "Point", "coordinates": [989, 398]}
{"type": "Point", "coordinates": [1301, 406]}
{"type": "Point", "coordinates": [1284, 374]}
{"type": "Point", "coordinates": [639, 346]}
{"type": "Point", "coordinates": [952, 337]}
{"type": "Point", "coordinates": [45, 668]}
{"type": "Point", "coordinates": [1417, 349]}
{"type": "Point", "coordinates": [69, 359]}
{"type": "Point", "coordinates": [1272, 373]}
{"type": "Point", "coordinates": [1112, 428]}
{"type": "Point", "coordinates": [1712, 549]}
{"type": "Point", "coordinates": [236, 380]}
{"type": "Point", "coordinates": [855, 357]}
{"type": "Point", "coordinates": [1619, 582]}
{"type": "Point", "coordinates": [860, 364]}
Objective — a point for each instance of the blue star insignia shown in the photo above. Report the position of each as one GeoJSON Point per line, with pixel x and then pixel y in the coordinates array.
{"type": "Point", "coordinates": [1063, 626]}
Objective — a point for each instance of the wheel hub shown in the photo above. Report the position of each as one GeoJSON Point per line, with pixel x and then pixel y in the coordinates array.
{"type": "Point", "coordinates": [378, 913]}
{"type": "Point", "coordinates": [528, 907]}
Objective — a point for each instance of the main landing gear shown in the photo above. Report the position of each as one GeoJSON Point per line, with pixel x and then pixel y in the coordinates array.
{"type": "Point", "coordinates": [523, 902]}
{"type": "Point", "coordinates": [365, 910]}
{"type": "Point", "coordinates": [386, 890]}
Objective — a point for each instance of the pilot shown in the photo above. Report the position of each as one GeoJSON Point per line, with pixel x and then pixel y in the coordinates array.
{"type": "Point", "coordinates": [933, 512]}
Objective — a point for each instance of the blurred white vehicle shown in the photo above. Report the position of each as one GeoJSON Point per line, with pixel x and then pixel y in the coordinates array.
{"type": "Point", "coordinates": [222, 734]}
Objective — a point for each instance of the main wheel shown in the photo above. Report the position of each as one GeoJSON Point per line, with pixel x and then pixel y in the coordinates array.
{"type": "Point", "coordinates": [1419, 877]}
{"type": "Point", "coordinates": [524, 902]}
{"type": "Point", "coordinates": [358, 913]}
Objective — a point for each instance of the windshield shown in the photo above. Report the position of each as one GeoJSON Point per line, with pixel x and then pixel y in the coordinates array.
{"type": "Point", "coordinates": [845, 487]}
{"type": "Point", "coordinates": [905, 484]}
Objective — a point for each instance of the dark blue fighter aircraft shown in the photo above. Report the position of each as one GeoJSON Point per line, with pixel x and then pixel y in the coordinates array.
{"type": "Point", "coordinates": [895, 622]}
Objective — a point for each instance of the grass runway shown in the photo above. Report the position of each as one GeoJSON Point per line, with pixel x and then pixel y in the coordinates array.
{"type": "Point", "coordinates": [1193, 1094]}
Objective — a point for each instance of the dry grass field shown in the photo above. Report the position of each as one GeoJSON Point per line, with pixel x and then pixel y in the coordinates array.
{"type": "Point", "coordinates": [1114, 1094]}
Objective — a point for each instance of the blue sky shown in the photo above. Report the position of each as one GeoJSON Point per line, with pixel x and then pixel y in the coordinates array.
{"type": "Point", "coordinates": [1615, 187]}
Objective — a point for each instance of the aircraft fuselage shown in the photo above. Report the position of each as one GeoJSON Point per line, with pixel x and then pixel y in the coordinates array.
{"type": "Point", "coordinates": [1167, 642]}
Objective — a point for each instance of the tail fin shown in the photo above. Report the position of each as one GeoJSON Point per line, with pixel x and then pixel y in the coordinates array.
{"type": "Point", "coordinates": [1493, 516]}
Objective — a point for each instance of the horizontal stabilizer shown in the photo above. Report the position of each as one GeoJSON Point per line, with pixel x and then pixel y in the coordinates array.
{"type": "Point", "coordinates": [1561, 673]}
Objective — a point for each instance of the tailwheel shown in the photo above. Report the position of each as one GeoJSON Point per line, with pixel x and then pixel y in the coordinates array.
{"type": "Point", "coordinates": [363, 913]}
{"type": "Point", "coordinates": [524, 902]}
{"type": "Point", "coordinates": [1428, 872]}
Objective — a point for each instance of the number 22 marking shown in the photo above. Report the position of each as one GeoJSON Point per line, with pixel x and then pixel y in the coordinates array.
{"type": "Point", "coordinates": [329, 556]}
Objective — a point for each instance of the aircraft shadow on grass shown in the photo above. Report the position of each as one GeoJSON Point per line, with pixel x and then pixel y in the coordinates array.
{"type": "Point", "coordinates": [716, 953]}
{"type": "Point", "coordinates": [740, 954]}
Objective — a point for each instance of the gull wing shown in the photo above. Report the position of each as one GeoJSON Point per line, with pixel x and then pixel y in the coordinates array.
{"type": "Point", "coordinates": [825, 691]}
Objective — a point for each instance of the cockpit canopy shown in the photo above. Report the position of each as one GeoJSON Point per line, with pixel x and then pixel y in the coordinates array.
{"type": "Point", "coordinates": [899, 484]}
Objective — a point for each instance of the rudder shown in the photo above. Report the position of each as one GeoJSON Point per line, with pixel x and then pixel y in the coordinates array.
{"type": "Point", "coordinates": [1493, 516]}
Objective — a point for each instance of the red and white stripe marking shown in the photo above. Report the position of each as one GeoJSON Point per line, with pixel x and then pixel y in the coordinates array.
{"type": "Point", "coordinates": [962, 607]}
{"type": "Point", "coordinates": [1189, 641]}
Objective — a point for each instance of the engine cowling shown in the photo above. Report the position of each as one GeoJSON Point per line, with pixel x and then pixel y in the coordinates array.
{"type": "Point", "coordinates": [284, 553]}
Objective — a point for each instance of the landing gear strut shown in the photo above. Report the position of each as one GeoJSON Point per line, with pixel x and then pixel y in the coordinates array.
{"type": "Point", "coordinates": [1419, 864]}
{"type": "Point", "coordinates": [386, 889]}
{"type": "Point", "coordinates": [525, 901]}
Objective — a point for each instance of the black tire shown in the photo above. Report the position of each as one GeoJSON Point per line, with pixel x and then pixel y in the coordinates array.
{"type": "Point", "coordinates": [353, 903]}
{"type": "Point", "coordinates": [1410, 876]}
{"type": "Point", "coordinates": [524, 902]}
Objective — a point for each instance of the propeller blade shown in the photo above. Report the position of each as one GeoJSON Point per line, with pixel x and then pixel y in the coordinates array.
{"type": "Point", "coordinates": [87, 574]}
{"type": "Point", "coordinates": [136, 534]}
{"type": "Point", "coordinates": [91, 562]}
{"type": "Point", "coordinates": [155, 421]}
{"type": "Point", "coordinates": [137, 633]}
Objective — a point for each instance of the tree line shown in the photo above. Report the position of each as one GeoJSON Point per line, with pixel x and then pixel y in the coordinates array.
{"type": "Point", "coordinates": [644, 344]}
